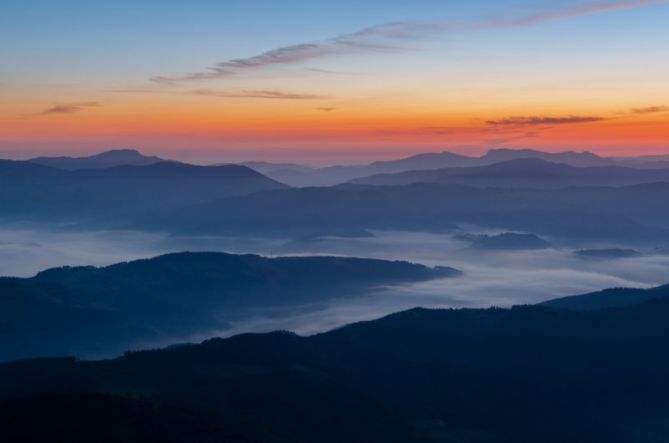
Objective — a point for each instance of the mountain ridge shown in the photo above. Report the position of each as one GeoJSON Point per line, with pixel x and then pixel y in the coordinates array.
{"type": "Point", "coordinates": [105, 159]}
{"type": "Point", "coordinates": [176, 295]}
{"type": "Point", "coordinates": [524, 172]}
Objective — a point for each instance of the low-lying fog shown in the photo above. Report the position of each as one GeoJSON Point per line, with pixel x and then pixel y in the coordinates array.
{"type": "Point", "coordinates": [499, 278]}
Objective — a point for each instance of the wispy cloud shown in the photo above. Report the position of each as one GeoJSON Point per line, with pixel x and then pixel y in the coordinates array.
{"type": "Point", "coordinates": [277, 95]}
{"type": "Point", "coordinates": [544, 121]}
{"type": "Point", "coordinates": [68, 108]}
{"type": "Point", "coordinates": [588, 9]}
{"type": "Point", "coordinates": [651, 110]}
{"type": "Point", "coordinates": [366, 40]}
{"type": "Point", "coordinates": [327, 109]}
{"type": "Point", "coordinates": [387, 37]}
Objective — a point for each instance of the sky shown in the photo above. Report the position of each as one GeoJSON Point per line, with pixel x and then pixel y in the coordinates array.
{"type": "Point", "coordinates": [332, 81]}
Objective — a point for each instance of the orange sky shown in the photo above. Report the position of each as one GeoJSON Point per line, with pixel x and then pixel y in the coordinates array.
{"type": "Point", "coordinates": [553, 75]}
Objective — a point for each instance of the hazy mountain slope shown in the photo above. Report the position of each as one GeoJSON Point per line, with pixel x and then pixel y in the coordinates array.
{"type": "Point", "coordinates": [236, 200]}
{"type": "Point", "coordinates": [101, 311]}
{"type": "Point", "coordinates": [525, 173]}
{"type": "Point", "coordinates": [579, 159]}
{"type": "Point", "coordinates": [636, 214]}
{"type": "Point", "coordinates": [40, 194]}
{"type": "Point", "coordinates": [301, 175]}
{"type": "Point", "coordinates": [107, 159]}
{"type": "Point", "coordinates": [518, 375]}
{"type": "Point", "coordinates": [645, 161]}
{"type": "Point", "coordinates": [13, 170]}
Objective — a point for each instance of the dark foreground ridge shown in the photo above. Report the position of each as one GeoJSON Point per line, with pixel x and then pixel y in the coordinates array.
{"type": "Point", "coordinates": [527, 374]}
{"type": "Point", "coordinates": [100, 312]}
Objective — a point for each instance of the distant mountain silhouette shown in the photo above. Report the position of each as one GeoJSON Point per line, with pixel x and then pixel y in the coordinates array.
{"type": "Point", "coordinates": [528, 195]}
{"type": "Point", "coordinates": [523, 375]}
{"type": "Point", "coordinates": [524, 173]}
{"type": "Point", "coordinates": [13, 171]}
{"type": "Point", "coordinates": [645, 162]}
{"type": "Point", "coordinates": [510, 241]}
{"type": "Point", "coordinates": [294, 174]}
{"type": "Point", "coordinates": [301, 175]}
{"type": "Point", "coordinates": [579, 159]}
{"type": "Point", "coordinates": [37, 193]}
{"type": "Point", "coordinates": [101, 311]}
{"type": "Point", "coordinates": [107, 159]}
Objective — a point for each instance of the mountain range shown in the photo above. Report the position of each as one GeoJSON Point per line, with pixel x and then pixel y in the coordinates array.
{"type": "Point", "coordinates": [32, 192]}
{"type": "Point", "coordinates": [612, 204]}
{"type": "Point", "coordinates": [107, 159]}
{"type": "Point", "coordinates": [524, 173]}
{"type": "Point", "coordinates": [301, 175]}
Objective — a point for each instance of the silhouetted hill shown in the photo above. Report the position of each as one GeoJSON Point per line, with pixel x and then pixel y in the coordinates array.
{"type": "Point", "coordinates": [521, 375]}
{"type": "Point", "coordinates": [609, 298]}
{"type": "Point", "coordinates": [524, 173]}
{"type": "Point", "coordinates": [506, 241]}
{"type": "Point", "coordinates": [42, 194]}
{"type": "Point", "coordinates": [428, 160]}
{"type": "Point", "coordinates": [646, 161]}
{"type": "Point", "coordinates": [579, 159]}
{"type": "Point", "coordinates": [301, 175]}
{"type": "Point", "coordinates": [107, 159]}
{"type": "Point", "coordinates": [21, 171]}
{"type": "Point", "coordinates": [174, 296]}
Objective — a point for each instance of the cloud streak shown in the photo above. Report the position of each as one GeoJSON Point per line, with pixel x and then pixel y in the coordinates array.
{"type": "Point", "coordinates": [386, 38]}
{"type": "Point", "coordinates": [547, 16]}
{"type": "Point", "coordinates": [68, 108]}
{"type": "Point", "coordinates": [544, 121]}
{"type": "Point", "coordinates": [358, 42]}
{"type": "Point", "coordinates": [263, 94]}
{"type": "Point", "coordinates": [651, 110]}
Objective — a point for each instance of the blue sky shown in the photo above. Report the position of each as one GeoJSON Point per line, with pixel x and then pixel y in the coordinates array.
{"type": "Point", "coordinates": [556, 54]}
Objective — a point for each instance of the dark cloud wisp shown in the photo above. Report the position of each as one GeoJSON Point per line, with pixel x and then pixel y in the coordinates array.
{"type": "Point", "coordinates": [651, 110]}
{"type": "Point", "coordinates": [544, 121]}
{"type": "Point", "coordinates": [68, 108]}
{"type": "Point", "coordinates": [269, 94]}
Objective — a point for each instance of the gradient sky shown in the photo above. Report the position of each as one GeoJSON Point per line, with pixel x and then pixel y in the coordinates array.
{"type": "Point", "coordinates": [328, 80]}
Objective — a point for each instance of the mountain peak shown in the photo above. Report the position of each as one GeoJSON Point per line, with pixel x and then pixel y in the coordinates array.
{"type": "Point", "coordinates": [124, 152]}
{"type": "Point", "coordinates": [106, 159]}
{"type": "Point", "coordinates": [574, 158]}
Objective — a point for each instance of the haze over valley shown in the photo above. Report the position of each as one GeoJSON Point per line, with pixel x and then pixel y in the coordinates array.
{"type": "Point", "coordinates": [504, 255]}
